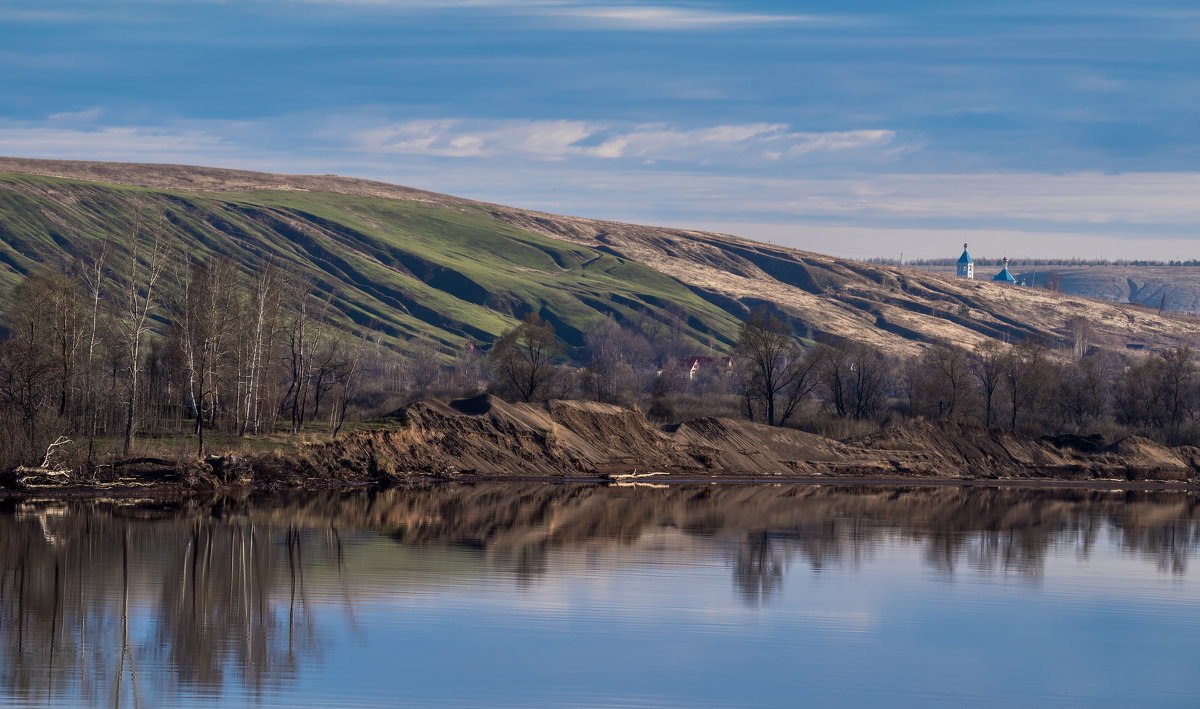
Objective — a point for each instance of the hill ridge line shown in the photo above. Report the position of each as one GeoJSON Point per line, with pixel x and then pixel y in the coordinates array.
{"type": "Point", "coordinates": [895, 309]}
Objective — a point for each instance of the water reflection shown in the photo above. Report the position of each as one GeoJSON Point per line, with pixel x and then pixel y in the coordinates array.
{"type": "Point", "coordinates": [122, 603]}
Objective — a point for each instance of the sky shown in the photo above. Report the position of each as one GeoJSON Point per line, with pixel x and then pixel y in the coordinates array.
{"type": "Point", "coordinates": [860, 128]}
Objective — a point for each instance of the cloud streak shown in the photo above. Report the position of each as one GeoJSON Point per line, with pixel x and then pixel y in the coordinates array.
{"type": "Point", "coordinates": [554, 140]}
{"type": "Point", "coordinates": [666, 18]}
{"type": "Point", "coordinates": [1150, 204]}
{"type": "Point", "coordinates": [78, 136]}
{"type": "Point", "coordinates": [577, 15]}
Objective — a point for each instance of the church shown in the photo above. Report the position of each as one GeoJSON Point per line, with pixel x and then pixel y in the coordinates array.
{"type": "Point", "coordinates": [966, 269]}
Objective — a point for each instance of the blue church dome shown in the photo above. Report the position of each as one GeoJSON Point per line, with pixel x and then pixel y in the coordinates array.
{"type": "Point", "coordinates": [1005, 276]}
{"type": "Point", "coordinates": [966, 265]}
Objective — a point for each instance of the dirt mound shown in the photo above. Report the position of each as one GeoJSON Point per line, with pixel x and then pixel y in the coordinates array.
{"type": "Point", "coordinates": [616, 438]}
{"type": "Point", "coordinates": [1143, 459]}
{"type": "Point", "coordinates": [753, 448]}
{"type": "Point", "coordinates": [969, 450]}
{"type": "Point", "coordinates": [487, 437]}
{"type": "Point", "coordinates": [1143, 452]}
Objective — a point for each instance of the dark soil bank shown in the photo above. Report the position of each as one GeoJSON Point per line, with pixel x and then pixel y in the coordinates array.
{"type": "Point", "coordinates": [487, 438]}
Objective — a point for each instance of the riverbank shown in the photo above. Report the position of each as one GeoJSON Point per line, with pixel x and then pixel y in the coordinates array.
{"type": "Point", "coordinates": [485, 438]}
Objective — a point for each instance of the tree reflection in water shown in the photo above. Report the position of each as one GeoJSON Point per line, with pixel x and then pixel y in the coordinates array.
{"type": "Point", "coordinates": [90, 594]}
{"type": "Point", "coordinates": [235, 594]}
{"type": "Point", "coordinates": [758, 569]}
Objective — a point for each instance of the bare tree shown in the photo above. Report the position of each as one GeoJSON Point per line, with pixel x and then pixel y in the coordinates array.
{"type": "Point", "coordinates": [349, 376]}
{"type": "Point", "coordinates": [422, 368]}
{"type": "Point", "coordinates": [468, 373]}
{"type": "Point", "coordinates": [615, 356]}
{"type": "Point", "coordinates": [202, 322]}
{"type": "Point", "coordinates": [1026, 375]}
{"type": "Point", "coordinates": [92, 273]}
{"type": "Point", "coordinates": [856, 380]}
{"type": "Point", "coordinates": [1178, 384]}
{"type": "Point", "coordinates": [1080, 329]}
{"type": "Point", "coordinates": [262, 324]}
{"type": "Point", "coordinates": [947, 373]}
{"type": "Point", "coordinates": [27, 373]}
{"type": "Point", "coordinates": [67, 319]}
{"type": "Point", "coordinates": [135, 298]}
{"type": "Point", "coordinates": [775, 374]}
{"type": "Point", "coordinates": [326, 369]}
{"type": "Point", "coordinates": [1082, 392]}
{"type": "Point", "coordinates": [665, 390]}
{"type": "Point", "coordinates": [1137, 394]}
{"type": "Point", "coordinates": [303, 335]}
{"type": "Point", "coordinates": [987, 365]}
{"type": "Point", "coordinates": [1159, 391]}
{"type": "Point", "coordinates": [524, 359]}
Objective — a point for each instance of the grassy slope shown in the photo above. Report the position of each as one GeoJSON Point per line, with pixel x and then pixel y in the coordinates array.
{"type": "Point", "coordinates": [420, 263]}
{"type": "Point", "coordinates": [400, 267]}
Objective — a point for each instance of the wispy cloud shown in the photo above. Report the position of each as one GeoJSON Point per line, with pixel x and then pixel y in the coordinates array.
{"type": "Point", "coordinates": [1079, 198]}
{"type": "Point", "coordinates": [561, 139]}
{"type": "Point", "coordinates": [41, 16]}
{"type": "Point", "coordinates": [1149, 204]}
{"type": "Point", "coordinates": [585, 15]}
{"type": "Point", "coordinates": [666, 18]}
{"type": "Point", "coordinates": [112, 143]}
{"type": "Point", "coordinates": [458, 138]}
{"type": "Point", "coordinates": [85, 116]}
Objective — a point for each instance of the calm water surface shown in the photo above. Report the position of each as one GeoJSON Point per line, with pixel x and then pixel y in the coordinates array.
{"type": "Point", "coordinates": [528, 595]}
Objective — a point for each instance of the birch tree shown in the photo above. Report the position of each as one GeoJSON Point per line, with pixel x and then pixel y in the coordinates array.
{"type": "Point", "coordinates": [202, 324]}
{"type": "Point", "coordinates": [136, 297]}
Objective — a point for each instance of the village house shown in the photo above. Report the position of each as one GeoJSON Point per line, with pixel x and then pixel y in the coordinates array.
{"type": "Point", "coordinates": [691, 366]}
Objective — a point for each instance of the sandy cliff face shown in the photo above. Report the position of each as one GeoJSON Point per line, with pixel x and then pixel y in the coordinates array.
{"type": "Point", "coordinates": [489, 438]}
{"type": "Point", "coordinates": [485, 438]}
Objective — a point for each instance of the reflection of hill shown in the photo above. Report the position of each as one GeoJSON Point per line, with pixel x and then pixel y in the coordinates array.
{"type": "Point", "coordinates": [494, 516]}
{"type": "Point", "coordinates": [99, 599]}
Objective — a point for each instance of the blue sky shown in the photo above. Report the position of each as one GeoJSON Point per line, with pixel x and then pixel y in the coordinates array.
{"type": "Point", "coordinates": [859, 127]}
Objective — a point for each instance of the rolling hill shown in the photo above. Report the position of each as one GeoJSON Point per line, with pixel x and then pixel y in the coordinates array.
{"type": "Point", "coordinates": [409, 263]}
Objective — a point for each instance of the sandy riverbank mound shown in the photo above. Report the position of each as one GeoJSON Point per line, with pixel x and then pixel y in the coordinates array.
{"type": "Point", "coordinates": [486, 436]}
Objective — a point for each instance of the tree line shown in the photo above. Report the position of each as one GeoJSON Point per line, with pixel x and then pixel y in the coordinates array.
{"type": "Point", "coordinates": [833, 388]}
{"type": "Point", "coordinates": [131, 349]}
{"type": "Point", "coordinates": [131, 340]}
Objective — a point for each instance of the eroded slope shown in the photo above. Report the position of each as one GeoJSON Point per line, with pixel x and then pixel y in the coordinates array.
{"type": "Point", "coordinates": [718, 278]}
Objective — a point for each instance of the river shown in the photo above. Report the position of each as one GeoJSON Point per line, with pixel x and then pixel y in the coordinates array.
{"type": "Point", "coordinates": [580, 595]}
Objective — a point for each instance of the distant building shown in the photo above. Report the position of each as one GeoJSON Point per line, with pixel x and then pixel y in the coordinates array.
{"type": "Point", "coordinates": [1005, 276]}
{"type": "Point", "coordinates": [966, 264]}
{"type": "Point", "coordinates": [691, 366]}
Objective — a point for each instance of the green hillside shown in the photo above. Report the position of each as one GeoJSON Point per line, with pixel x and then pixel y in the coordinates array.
{"type": "Point", "coordinates": [408, 263]}
{"type": "Point", "coordinates": [403, 268]}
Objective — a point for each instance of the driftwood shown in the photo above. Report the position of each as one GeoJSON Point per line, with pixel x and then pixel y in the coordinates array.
{"type": "Point", "coordinates": [632, 476]}
{"type": "Point", "coordinates": [48, 473]}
